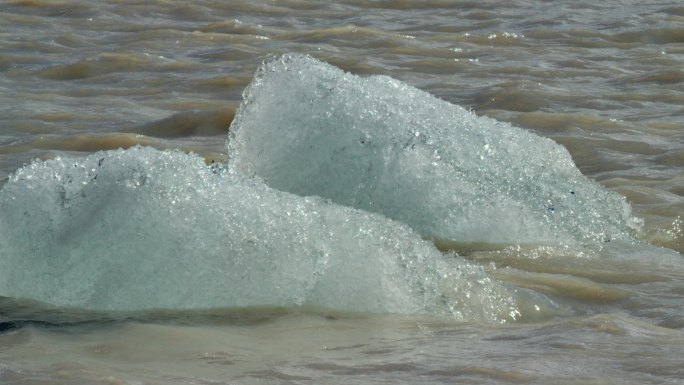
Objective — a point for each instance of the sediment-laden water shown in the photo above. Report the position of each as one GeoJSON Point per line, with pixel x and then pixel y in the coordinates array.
{"type": "Point", "coordinates": [352, 192]}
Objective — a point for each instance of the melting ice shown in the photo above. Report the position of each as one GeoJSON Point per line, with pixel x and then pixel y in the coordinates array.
{"type": "Point", "coordinates": [380, 145]}
{"type": "Point", "coordinates": [141, 229]}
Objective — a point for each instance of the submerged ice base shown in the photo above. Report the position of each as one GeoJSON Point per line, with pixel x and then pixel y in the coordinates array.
{"type": "Point", "coordinates": [380, 145]}
{"type": "Point", "coordinates": [143, 229]}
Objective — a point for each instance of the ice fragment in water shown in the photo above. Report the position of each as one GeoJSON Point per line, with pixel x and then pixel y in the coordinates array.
{"type": "Point", "coordinates": [380, 145]}
{"type": "Point", "coordinates": [141, 229]}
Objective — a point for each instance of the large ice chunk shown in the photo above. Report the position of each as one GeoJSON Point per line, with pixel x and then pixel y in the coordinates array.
{"type": "Point", "coordinates": [142, 229]}
{"type": "Point", "coordinates": [380, 145]}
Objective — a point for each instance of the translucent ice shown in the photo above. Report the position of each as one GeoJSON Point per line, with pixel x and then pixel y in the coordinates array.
{"type": "Point", "coordinates": [142, 229]}
{"type": "Point", "coordinates": [380, 145]}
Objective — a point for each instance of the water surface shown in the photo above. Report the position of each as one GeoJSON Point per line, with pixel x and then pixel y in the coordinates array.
{"type": "Point", "coordinates": [602, 79]}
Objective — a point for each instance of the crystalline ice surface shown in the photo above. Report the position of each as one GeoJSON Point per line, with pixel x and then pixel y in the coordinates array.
{"type": "Point", "coordinates": [380, 145]}
{"type": "Point", "coordinates": [142, 229]}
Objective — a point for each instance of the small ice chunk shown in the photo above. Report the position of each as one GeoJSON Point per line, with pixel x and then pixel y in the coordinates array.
{"type": "Point", "coordinates": [380, 145]}
{"type": "Point", "coordinates": [147, 229]}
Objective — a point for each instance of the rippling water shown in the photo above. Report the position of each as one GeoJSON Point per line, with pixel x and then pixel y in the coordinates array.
{"type": "Point", "coordinates": [604, 79]}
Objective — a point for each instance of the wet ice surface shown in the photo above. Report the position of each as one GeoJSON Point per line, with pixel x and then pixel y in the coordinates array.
{"type": "Point", "coordinates": [146, 229]}
{"type": "Point", "coordinates": [377, 144]}
{"type": "Point", "coordinates": [143, 229]}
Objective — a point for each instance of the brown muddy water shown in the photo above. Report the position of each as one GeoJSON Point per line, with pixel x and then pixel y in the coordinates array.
{"type": "Point", "coordinates": [603, 79]}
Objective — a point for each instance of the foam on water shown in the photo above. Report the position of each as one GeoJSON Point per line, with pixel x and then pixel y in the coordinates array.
{"type": "Point", "coordinates": [380, 145]}
{"type": "Point", "coordinates": [141, 229]}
